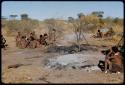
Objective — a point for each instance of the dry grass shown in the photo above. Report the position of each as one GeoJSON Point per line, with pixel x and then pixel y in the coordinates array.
{"type": "Point", "coordinates": [66, 28]}
{"type": "Point", "coordinates": [103, 42]}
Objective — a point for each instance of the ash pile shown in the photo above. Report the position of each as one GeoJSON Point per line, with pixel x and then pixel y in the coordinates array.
{"type": "Point", "coordinates": [70, 49]}
{"type": "Point", "coordinates": [70, 61]}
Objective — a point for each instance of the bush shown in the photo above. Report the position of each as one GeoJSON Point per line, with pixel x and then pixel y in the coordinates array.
{"type": "Point", "coordinates": [24, 26]}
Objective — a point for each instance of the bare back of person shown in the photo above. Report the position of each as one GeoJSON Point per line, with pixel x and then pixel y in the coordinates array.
{"type": "Point", "coordinates": [117, 59]}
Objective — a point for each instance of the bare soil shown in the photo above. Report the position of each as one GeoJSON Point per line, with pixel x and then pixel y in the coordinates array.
{"type": "Point", "coordinates": [27, 66]}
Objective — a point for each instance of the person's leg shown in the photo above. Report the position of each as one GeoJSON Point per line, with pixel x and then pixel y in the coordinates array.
{"type": "Point", "coordinates": [110, 66]}
{"type": "Point", "coordinates": [28, 44]}
{"type": "Point", "coordinates": [24, 44]}
{"type": "Point", "coordinates": [107, 63]}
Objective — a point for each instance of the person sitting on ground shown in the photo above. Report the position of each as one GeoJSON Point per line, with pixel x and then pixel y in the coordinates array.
{"type": "Point", "coordinates": [31, 37]}
{"type": "Point", "coordinates": [40, 39]}
{"type": "Point", "coordinates": [29, 40]}
{"type": "Point", "coordinates": [23, 42]}
{"type": "Point", "coordinates": [34, 43]}
{"type": "Point", "coordinates": [114, 60]}
{"type": "Point", "coordinates": [3, 43]}
{"type": "Point", "coordinates": [45, 36]}
{"type": "Point", "coordinates": [99, 34]}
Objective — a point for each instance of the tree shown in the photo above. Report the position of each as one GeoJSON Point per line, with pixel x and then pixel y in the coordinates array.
{"type": "Point", "coordinates": [78, 26]}
{"type": "Point", "coordinates": [80, 15]}
{"type": "Point", "coordinates": [24, 26]}
{"type": "Point", "coordinates": [54, 29]}
{"type": "Point", "coordinates": [98, 13]}
{"type": "Point", "coordinates": [24, 16]}
{"type": "Point", "coordinates": [4, 18]}
{"type": "Point", "coordinates": [13, 17]}
{"type": "Point", "coordinates": [3, 21]}
{"type": "Point", "coordinates": [118, 21]}
{"type": "Point", "coordinates": [70, 19]}
{"type": "Point", "coordinates": [50, 24]}
{"type": "Point", "coordinates": [27, 26]}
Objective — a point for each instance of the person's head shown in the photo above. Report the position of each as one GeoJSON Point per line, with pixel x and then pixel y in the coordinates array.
{"type": "Point", "coordinates": [98, 30]}
{"type": "Point", "coordinates": [115, 49]}
{"type": "Point", "coordinates": [31, 33]}
{"type": "Point", "coordinates": [41, 36]}
{"type": "Point", "coordinates": [54, 29]}
{"type": "Point", "coordinates": [18, 33]}
{"type": "Point", "coordinates": [22, 37]}
{"type": "Point", "coordinates": [45, 34]}
{"type": "Point", "coordinates": [105, 52]}
{"type": "Point", "coordinates": [110, 27]}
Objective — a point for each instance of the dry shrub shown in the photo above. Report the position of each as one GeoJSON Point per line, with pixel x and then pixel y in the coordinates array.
{"type": "Point", "coordinates": [40, 29]}
{"type": "Point", "coordinates": [116, 38]}
{"type": "Point", "coordinates": [4, 30]}
{"type": "Point", "coordinates": [118, 28]}
{"type": "Point", "coordinates": [24, 26]}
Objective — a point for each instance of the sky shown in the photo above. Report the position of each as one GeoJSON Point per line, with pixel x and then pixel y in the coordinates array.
{"type": "Point", "coordinates": [61, 9]}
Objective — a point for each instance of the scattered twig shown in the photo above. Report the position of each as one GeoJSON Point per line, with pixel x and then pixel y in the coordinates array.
{"type": "Point", "coordinates": [17, 65]}
{"type": "Point", "coordinates": [44, 79]}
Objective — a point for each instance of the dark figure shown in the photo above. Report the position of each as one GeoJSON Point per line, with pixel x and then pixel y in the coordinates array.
{"type": "Point", "coordinates": [3, 42]}
{"type": "Point", "coordinates": [99, 34]}
{"type": "Point", "coordinates": [23, 42]}
{"type": "Point", "coordinates": [29, 40]}
{"type": "Point", "coordinates": [41, 39]}
{"type": "Point", "coordinates": [101, 65]}
{"type": "Point", "coordinates": [45, 39]}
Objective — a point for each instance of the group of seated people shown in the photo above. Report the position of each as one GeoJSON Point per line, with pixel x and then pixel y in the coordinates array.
{"type": "Point", "coordinates": [113, 60]}
{"type": "Point", "coordinates": [31, 41]}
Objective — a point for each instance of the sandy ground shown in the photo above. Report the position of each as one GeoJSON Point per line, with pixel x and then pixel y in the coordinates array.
{"type": "Point", "coordinates": [32, 69]}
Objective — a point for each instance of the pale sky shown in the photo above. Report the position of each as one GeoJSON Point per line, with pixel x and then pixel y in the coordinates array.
{"type": "Point", "coordinates": [61, 9]}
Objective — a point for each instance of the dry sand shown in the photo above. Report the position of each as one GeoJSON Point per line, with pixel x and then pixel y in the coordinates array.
{"type": "Point", "coordinates": [32, 69]}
